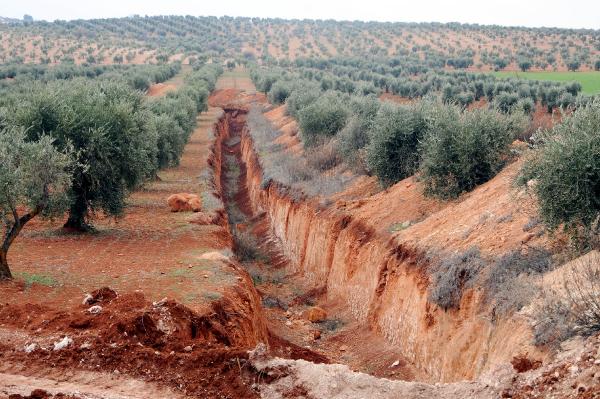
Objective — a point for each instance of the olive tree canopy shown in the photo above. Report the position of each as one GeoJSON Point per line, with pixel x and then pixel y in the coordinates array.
{"type": "Point", "coordinates": [34, 180]}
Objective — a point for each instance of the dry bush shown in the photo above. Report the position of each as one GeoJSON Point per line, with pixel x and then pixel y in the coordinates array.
{"type": "Point", "coordinates": [245, 246]}
{"type": "Point", "coordinates": [509, 285]}
{"type": "Point", "coordinates": [572, 308]}
{"type": "Point", "coordinates": [452, 275]}
{"type": "Point", "coordinates": [302, 174]}
{"type": "Point", "coordinates": [322, 158]}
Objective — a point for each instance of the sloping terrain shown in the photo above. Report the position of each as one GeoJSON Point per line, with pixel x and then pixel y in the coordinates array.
{"type": "Point", "coordinates": [161, 38]}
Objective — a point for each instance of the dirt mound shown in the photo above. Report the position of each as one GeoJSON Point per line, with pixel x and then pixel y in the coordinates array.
{"type": "Point", "coordinates": [42, 394]}
{"type": "Point", "coordinates": [574, 374]}
{"type": "Point", "coordinates": [184, 202]}
{"type": "Point", "coordinates": [162, 341]}
{"type": "Point", "coordinates": [299, 378]}
{"type": "Point", "coordinates": [235, 98]}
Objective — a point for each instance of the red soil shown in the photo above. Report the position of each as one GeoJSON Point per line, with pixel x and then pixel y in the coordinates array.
{"type": "Point", "coordinates": [165, 342]}
{"type": "Point", "coordinates": [160, 89]}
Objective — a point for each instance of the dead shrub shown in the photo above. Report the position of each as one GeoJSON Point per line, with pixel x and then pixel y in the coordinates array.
{"type": "Point", "coordinates": [451, 276]}
{"type": "Point", "coordinates": [508, 285]}
{"type": "Point", "coordinates": [245, 246]}
{"type": "Point", "coordinates": [322, 158]}
{"type": "Point", "coordinates": [310, 174]}
{"type": "Point", "coordinates": [573, 307]}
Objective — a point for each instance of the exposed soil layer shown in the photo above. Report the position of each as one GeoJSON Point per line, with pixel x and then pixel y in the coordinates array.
{"type": "Point", "coordinates": [337, 297]}
{"type": "Point", "coordinates": [164, 342]}
{"type": "Point", "coordinates": [287, 299]}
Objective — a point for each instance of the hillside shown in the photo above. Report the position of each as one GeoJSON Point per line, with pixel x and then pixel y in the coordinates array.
{"type": "Point", "coordinates": [146, 39]}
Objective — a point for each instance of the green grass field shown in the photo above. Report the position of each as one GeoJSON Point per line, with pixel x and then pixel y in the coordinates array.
{"type": "Point", "coordinates": [590, 81]}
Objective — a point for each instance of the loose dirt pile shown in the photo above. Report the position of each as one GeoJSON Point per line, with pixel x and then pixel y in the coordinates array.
{"type": "Point", "coordinates": [163, 341]}
{"type": "Point", "coordinates": [301, 379]}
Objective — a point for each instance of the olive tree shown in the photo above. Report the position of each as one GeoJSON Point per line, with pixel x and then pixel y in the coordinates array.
{"type": "Point", "coordinates": [565, 167]}
{"type": "Point", "coordinates": [34, 180]}
{"type": "Point", "coordinates": [392, 153]}
{"type": "Point", "coordinates": [107, 125]}
{"type": "Point", "coordinates": [463, 149]}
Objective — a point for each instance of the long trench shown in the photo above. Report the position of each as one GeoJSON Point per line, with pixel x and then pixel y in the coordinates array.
{"type": "Point", "coordinates": [289, 304]}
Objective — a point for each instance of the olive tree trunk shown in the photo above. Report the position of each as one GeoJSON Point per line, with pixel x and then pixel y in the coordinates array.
{"type": "Point", "coordinates": [5, 273]}
{"type": "Point", "coordinates": [13, 232]}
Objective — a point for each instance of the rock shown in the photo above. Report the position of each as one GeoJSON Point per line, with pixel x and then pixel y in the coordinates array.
{"type": "Point", "coordinates": [574, 369]}
{"type": "Point", "coordinates": [316, 334]}
{"type": "Point", "coordinates": [63, 343]}
{"type": "Point", "coordinates": [184, 202]}
{"type": "Point", "coordinates": [315, 314]}
{"type": "Point", "coordinates": [96, 309]}
{"type": "Point", "coordinates": [102, 295]}
{"type": "Point", "coordinates": [343, 348]}
{"type": "Point", "coordinates": [85, 345]}
{"type": "Point", "coordinates": [188, 349]}
{"type": "Point", "coordinates": [160, 303]}
{"type": "Point", "coordinates": [395, 364]}
{"type": "Point", "coordinates": [204, 219]}
{"type": "Point", "coordinates": [87, 300]}
{"type": "Point", "coordinates": [215, 255]}
{"type": "Point", "coordinates": [30, 348]}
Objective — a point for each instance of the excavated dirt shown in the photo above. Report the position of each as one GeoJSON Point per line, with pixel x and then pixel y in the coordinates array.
{"type": "Point", "coordinates": [164, 342]}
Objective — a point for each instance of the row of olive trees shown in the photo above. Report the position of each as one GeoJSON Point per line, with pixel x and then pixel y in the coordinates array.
{"type": "Point", "coordinates": [414, 78]}
{"type": "Point", "coordinates": [204, 35]}
{"type": "Point", "coordinates": [104, 136]}
{"type": "Point", "coordinates": [453, 150]}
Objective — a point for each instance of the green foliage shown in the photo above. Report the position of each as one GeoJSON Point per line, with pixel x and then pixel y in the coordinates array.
{"type": "Point", "coordinates": [464, 149]}
{"type": "Point", "coordinates": [32, 278]}
{"type": "Point", "coordinates": [589, 80]}
{"type": "Point", "coordinates": [107, 126]}
{"type": "Point", "coordinates": [392, 153]}
{"type": "Point", "coordinates": [280, 91]}
{"type": "Point", "coordinates": [170, 141]}
{"type": "Point", "coordinates": [302, 97]}
{"type": "Point", "coordinates": [119, 137]}
{"type": "Point", "coordinates": [525, 65]}
{"type": "Point", "coordinates": [323, 118]}
{"type": "Point", "coordinates": [565, 169]}
{"type": "Point", "coordinates": [34, 175]}
{"type": "Point", "coordinates": [354, 137]}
